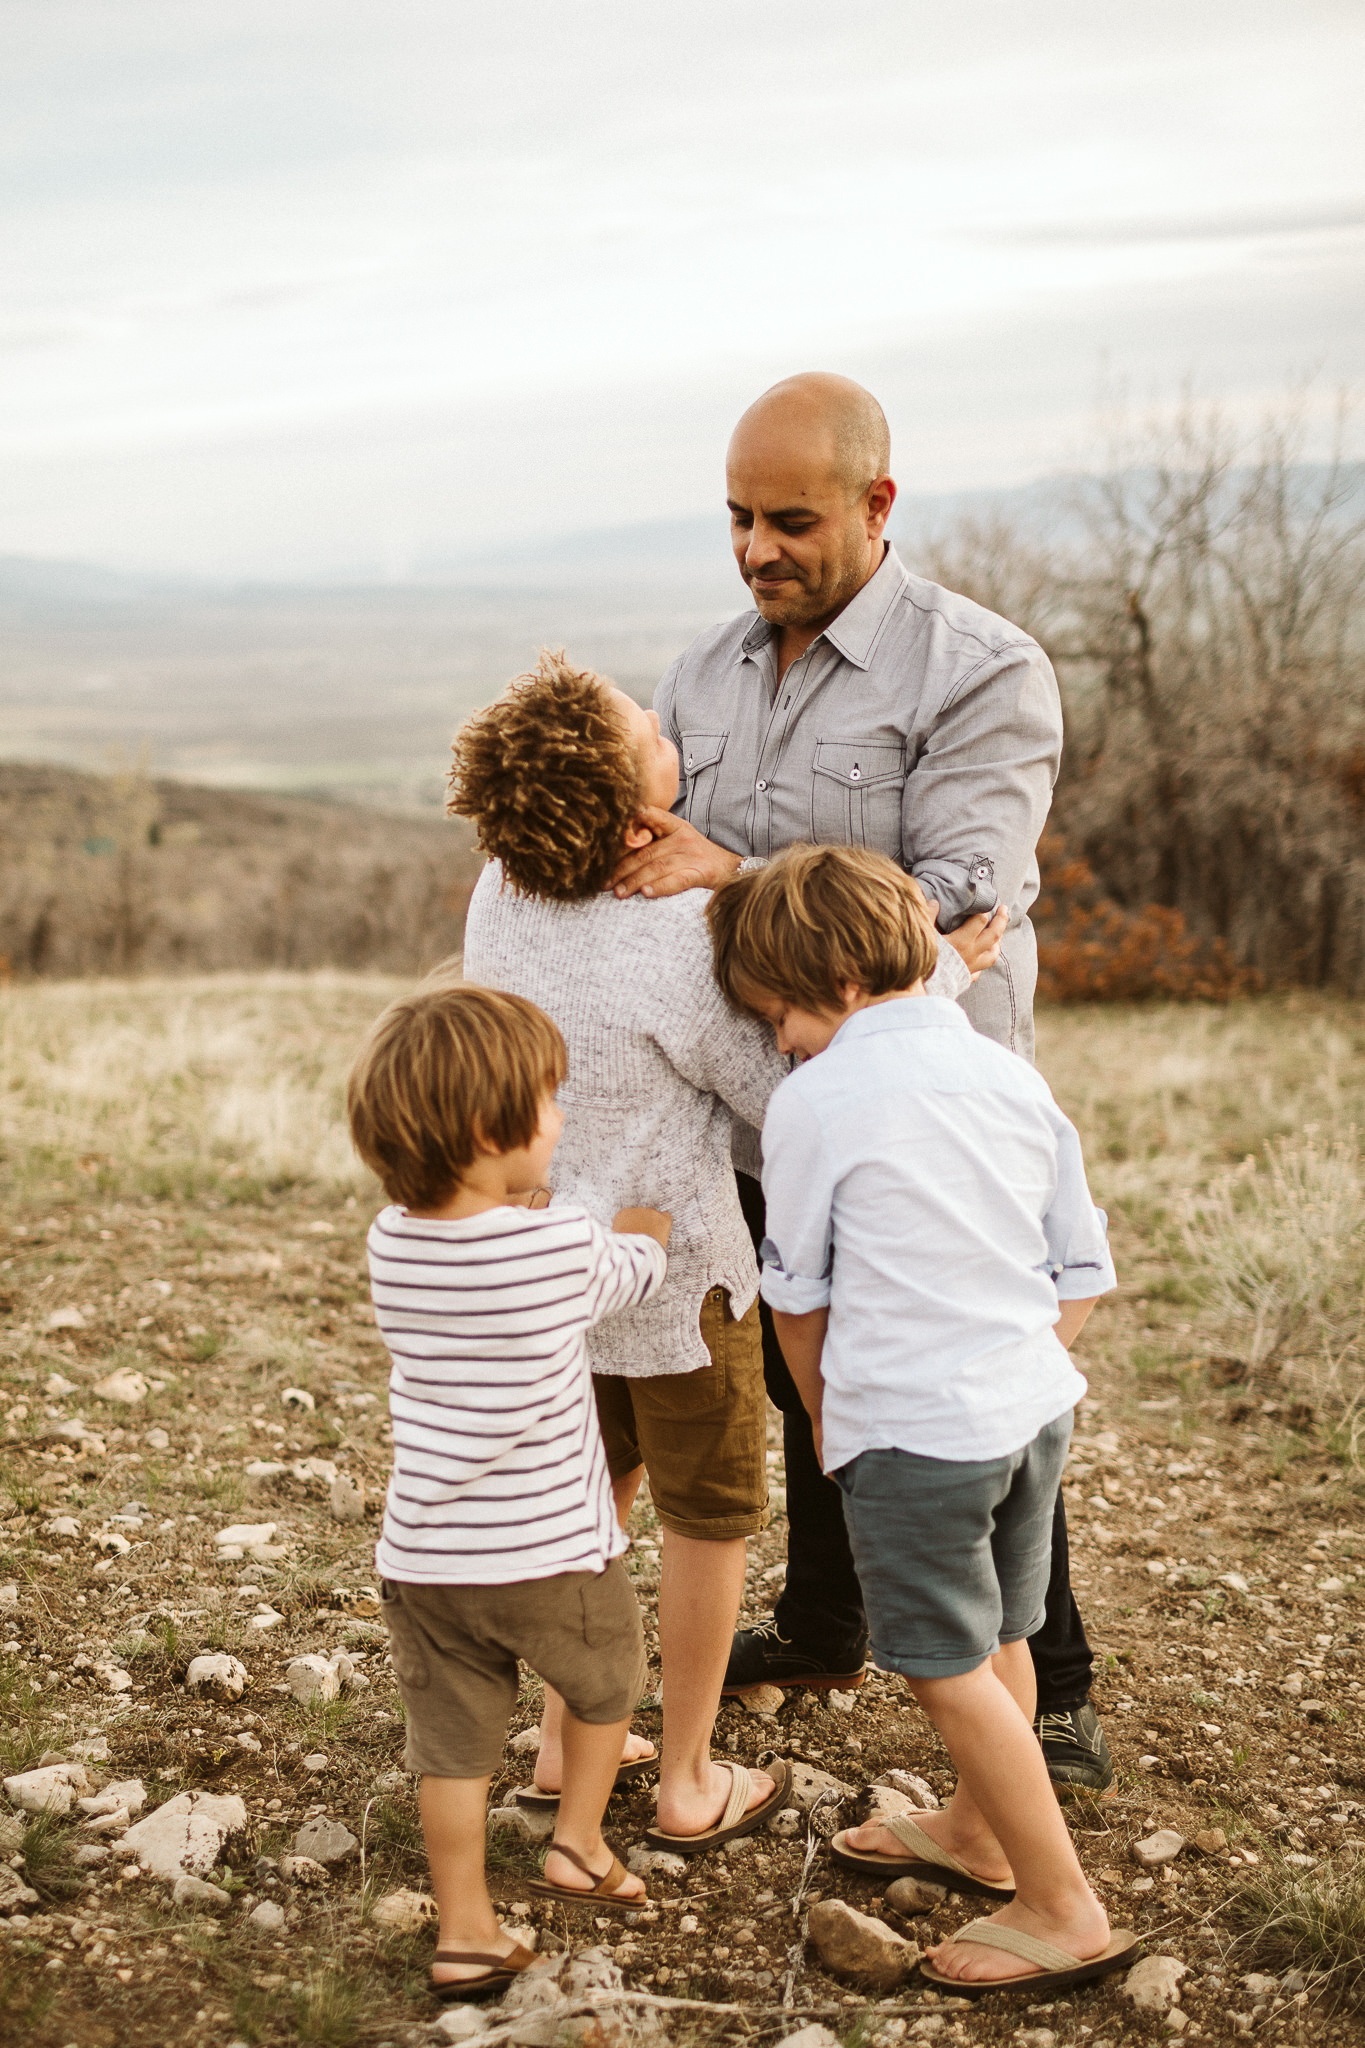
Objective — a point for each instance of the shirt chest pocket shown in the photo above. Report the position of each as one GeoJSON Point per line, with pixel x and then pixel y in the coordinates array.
{"type": "Point", "coordinates": [701, 759]}
{"type": "Point", "coordinates": [856, 792]}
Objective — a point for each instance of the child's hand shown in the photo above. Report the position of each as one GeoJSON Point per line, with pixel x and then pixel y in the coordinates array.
{"type": "Point", "coordinates": [655, 1223]}
{"type": "Point", "coordinates": [978, 940]}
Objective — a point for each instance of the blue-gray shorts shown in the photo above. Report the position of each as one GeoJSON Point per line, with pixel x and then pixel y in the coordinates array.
{"type": "Point", "coordinates": [953, 1559]}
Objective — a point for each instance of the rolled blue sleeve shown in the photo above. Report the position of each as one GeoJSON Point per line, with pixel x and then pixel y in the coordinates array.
{"type": "Point", "coordinates": [1077, 1232]}
{"type": "Point", "coordinates": [797, 1253]}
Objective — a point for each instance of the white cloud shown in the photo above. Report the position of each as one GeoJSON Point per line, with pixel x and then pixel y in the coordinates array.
{"type": "Point", "coordinates": [270, 257]}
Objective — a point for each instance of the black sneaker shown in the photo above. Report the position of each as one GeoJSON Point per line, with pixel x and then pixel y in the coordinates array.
{"type": "Point", "coordinates": [1078, 1759]}
{"type": "Point", "coordinates": [764, 1656]}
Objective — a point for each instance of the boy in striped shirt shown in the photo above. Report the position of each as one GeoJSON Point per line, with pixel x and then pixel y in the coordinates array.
{"type": "Point", "coordinates": [500, 1541]}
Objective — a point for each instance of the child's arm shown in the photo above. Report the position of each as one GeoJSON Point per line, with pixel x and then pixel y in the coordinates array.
{"type": "Point", "coordinates": [655, 1223]}
{"type": "Point", "coordinates": [803, 1341]}
{"type": "Point", "coordinates": [1072, 1320]}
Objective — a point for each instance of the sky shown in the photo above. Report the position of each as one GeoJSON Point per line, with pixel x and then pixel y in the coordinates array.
{"type": "Point", "coordinates": [321, 289]}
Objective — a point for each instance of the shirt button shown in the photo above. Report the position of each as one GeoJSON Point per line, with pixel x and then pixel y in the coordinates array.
{"type": "Point", "coordinates": [761, 786]}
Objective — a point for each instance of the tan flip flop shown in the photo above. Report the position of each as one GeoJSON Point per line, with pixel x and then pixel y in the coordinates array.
{"type": "Point", "coordinates": [927, 1860]}
{"type": "Point", "coordinates": [604, 1888]}
{"type": "Point", "coordinates": [1054, 1969]}
{"type": "Point", "coordinates": [495, 1977]}
{"type": "Point", "coordinates": [738, 1819]}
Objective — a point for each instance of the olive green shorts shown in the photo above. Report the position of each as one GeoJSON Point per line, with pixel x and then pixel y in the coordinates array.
{"type": "Point", "coordinates": [455, 1652]}
{"type": "Point", "coordinates": [701, 1436]}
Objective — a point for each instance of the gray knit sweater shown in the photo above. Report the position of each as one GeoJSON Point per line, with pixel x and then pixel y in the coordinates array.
{"type": "Point", "coordinates": [663, 1076]}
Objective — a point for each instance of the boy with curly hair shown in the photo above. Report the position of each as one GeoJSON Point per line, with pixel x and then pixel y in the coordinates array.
{"type": "Point", "coordinates": [664, 1077]}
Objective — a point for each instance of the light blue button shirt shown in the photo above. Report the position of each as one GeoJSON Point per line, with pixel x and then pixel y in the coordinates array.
{"type": "Point", "coordinates": [922, 1182]}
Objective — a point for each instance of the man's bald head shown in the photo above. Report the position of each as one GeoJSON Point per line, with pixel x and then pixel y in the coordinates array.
{"type": "Point", "coordinates": [829, 422]}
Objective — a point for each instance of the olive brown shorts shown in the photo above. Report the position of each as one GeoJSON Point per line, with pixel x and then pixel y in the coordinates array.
{"type": "Point", "coordinates": [701, 1436]}
{"type": "Point", "coordinates": [455, 1652]}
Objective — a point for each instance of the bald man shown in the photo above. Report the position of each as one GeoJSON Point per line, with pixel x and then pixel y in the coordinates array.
{"type": "Point", "coordinates": [863, 706]}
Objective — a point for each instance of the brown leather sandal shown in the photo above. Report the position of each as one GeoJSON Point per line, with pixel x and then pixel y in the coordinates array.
{"type": "Point", "coordinates": [603, 1891]}
{"type": "Point", "coordinates": [496, 1977]}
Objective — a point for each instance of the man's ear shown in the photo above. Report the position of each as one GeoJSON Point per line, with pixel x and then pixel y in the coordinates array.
{"type": "Point", "coordinates": [880, 498]}
{"type": "Point", "coordinates": [637, 834]}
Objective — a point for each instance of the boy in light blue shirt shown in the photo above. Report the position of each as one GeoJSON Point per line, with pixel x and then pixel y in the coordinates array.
{"type": "Point", "coordinates": [932, 1252]}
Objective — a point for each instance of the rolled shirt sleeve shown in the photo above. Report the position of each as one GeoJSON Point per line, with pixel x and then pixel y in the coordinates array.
{"type": "Point", "coordinates": [797, 1253]}
{"type": "Point", "coordinates": [1077, 1231]}
{"type": "Point", "coordinates": [978, 798]}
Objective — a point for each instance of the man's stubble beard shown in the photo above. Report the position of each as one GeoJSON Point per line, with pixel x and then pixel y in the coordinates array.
{"type": "Point", "coordinates": [800, 605]}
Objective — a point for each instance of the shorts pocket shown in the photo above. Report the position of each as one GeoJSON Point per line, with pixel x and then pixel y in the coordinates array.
{"type": "Point", "coordinates": [406, 1646]}
{"type": "Point", "coordinates": [610, 1611]}
{"type": "Point", "coordinates": [856, 794]}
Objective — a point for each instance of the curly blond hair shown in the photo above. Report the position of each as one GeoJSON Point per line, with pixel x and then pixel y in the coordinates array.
{"type": "Point", "coordinates": [551, 777]}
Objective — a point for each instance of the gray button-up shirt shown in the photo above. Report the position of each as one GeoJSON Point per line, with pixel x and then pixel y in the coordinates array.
{"type": "Point", "coordinates": [918, 724]}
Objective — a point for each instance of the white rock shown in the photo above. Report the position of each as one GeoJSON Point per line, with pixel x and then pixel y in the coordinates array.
{"type": "Point", "coordinates": [912, 1895]}
{"type": "Point", "coordinates": [1293, 1685]}
{"type": "Point", "coordinates": [65, 1319]}
{"type": "Point", "coordinates": [1235, 1581]}
{"type": "Point", "coordinates": [243, 1535]}
{"type": "Point", "coordinates": [302, 1870]}
{"type": "Point", "coordinates": [763, 1701]}
{"type": "Point", "coordinates": [267, 1915]}
{"type": "Point", "coordinates": [112, 1542]}
{"type": "Point", "coordinates": [266, 1619]}
{"type": "Point", "coordinates": [305, 1469]}
{"type": "Point", "coordinates": [921, 1795]}
{"type": "Point", "coordinates": [114, 1822]}
{"type": "Point", "coordinates": [50, 1789]}
{"type": "Point", "coordinates": [404, 1912]}
{"type": "Point", "coordinates": [157, 1440]}
{"type": "Point", "coordinates": [325, 1841]}
{"type": "Point", "coordinates": [786, 1825]}
{"type": "Point", "coordinates": [298, 1400]}
{"type": "Point", "coordinates": [460, 2023]}
{"type": "Point", "coordinates": [854, 1945]}
{"type": "Point", "coordinates": [315, 1762]}
{"type": "Point", "coordinates": [218, 1674]}
{"type": "Point", "coordinates": [813, 2036]}
{"type": "Point", "coordinates": [530, 1823]}
{"type": "Point", "coordinates": [1154, 1983]}
{"type": "Point", "coordinates": [113, 1678]}
{"type": "Point", "coordinates": [1035, 2037]}
{"type": "Point", "coordinates": [265, 1468]}
{"type": "Point", "coordinates": [194, 1891]}
{"type": "Point", "coordinates": [56, 1387]}
{"type": "Point", "coordinates": [842, 1702]}
{"type": "Point", "coordinates": [644, 1862]}
{"type": "Point", "coordinates": [312, 1678]}
{"type": "Point", "coordinates": [1162, 1847]}
{"type": "Point", "coordinates": [527, 1743]}
{"type": "Point", "coordinates": [346, 1501]}
{"type": "Point", "coordinates": [89, 1855]}
{"type": "Point", "coordinates": [810, 1785]}
{"type": "Point", "coordinates": [63, 1525]}
{"type": "Point", "coordinates": [13, 1891]}
{"type": "Point", "coordinates": [126, 1388]}
{"type": "Point", "coordinates": [186, 1834]}
{"type": "Point", "coordinates": [128, 1792]}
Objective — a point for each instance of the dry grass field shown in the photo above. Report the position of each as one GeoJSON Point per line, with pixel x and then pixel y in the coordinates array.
{"type": "Point", "coordinates": [180, 1205]}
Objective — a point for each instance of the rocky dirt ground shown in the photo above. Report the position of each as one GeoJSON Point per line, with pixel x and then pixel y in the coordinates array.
{"type": "Point", "coordinates": [173, 1370]}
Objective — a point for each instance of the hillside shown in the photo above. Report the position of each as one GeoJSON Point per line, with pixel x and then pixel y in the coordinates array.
{"type": "Point", "coordinates": [124, 874]}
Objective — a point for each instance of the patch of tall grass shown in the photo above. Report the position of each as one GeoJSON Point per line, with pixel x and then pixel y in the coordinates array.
{"type": "Point", "coordinates": [1313, 1921]}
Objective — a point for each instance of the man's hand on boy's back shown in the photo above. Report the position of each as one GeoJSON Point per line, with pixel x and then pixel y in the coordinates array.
{"type": "Point", "coordinates": [655, 1223]}
{"type": "Point", "coordinates": [677, 858]}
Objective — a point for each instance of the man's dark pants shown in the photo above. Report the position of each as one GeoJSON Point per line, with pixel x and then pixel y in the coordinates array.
{"type": "Point", "coordinates": [821, 1604]}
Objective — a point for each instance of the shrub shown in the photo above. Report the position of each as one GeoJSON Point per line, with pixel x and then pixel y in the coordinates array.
{"type": "Point", "coordinates": [1090, 950]}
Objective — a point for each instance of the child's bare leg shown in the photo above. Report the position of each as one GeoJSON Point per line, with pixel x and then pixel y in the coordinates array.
{"type": "Point", "coordinates": [454, 1812]}
{"type": "Point", "coordinates": [549, 1771]}
{"type": "Point", "coordinates": [591, 1756]}
{"type": "Point", "coordinates": [700, 1589]}
{"type": "Point", "coordinates": [1003, 1775]}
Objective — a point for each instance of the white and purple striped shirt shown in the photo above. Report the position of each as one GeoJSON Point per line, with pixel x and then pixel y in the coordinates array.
{"type": "Point", "coordinates": [498, 1469]}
